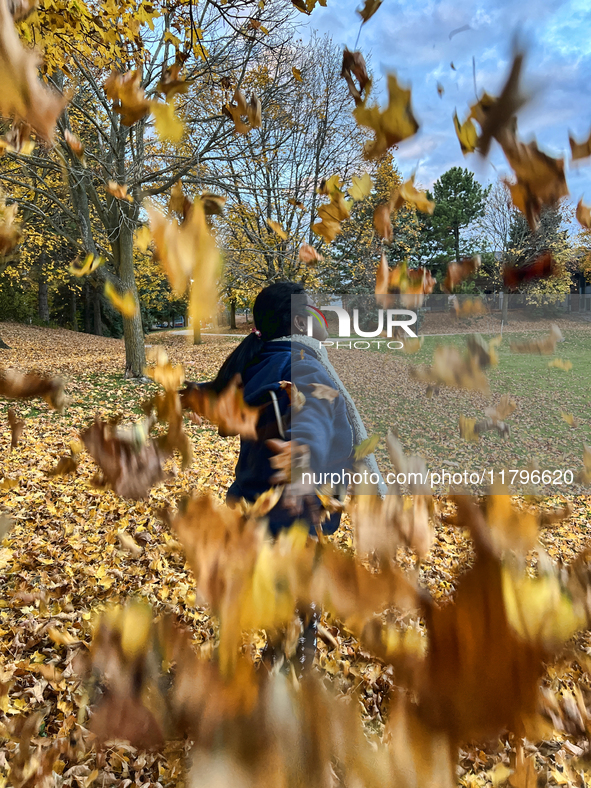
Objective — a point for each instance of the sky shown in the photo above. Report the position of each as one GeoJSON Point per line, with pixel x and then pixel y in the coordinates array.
{"type": "Point", "coordinates": [411, 39]}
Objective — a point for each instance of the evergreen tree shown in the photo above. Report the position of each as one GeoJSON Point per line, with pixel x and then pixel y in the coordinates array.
{"type": "Point", "coordinates": [459, 201]}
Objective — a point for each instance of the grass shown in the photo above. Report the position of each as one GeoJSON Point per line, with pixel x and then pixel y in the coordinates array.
{"type": "Point", "coordinates": [539, 434]}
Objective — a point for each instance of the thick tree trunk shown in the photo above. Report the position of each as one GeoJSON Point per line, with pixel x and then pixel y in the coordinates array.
{"type": "Point", "coordinates": [96, 309]}
{"type": "Point", "coordinates": [43, 295]}
{"type": "Point", "coordinates": [73, 310]}
{"type": "Point", "coordinates": [43, 301]}
{"type": "Point", "coordinates": [133, 332]}
{"type": "Point", "coordinates": [197, 332]}
{"type": "Point", "coordinates": [505, 312]}
{"type": "Point", "coordinates": [232, 314]}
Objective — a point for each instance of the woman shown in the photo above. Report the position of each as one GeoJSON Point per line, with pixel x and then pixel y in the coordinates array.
{"type": "Point", "coordinates": [323, 432]}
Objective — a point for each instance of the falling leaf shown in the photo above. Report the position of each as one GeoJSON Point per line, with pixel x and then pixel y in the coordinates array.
{"type": "Point", "coordinates": [542, 347]}
{"type": "Point", "coordinates": [467, 134]}
{"type": "Point", "coordinates": [540, 178]}
{"type": "Point", "coordinates": [276, 227]}
{"type": "Point", "coordinates": [296, 397]}
{"type": "Point", "coordinates": [580, 150]}
{"type": "Point", "coordinates": [179, 202]}
{"type": "Point", "coordinates": [18, 139]}
{"type": "Point", "coordinates": [467, 431]}
{"type": "Point", "coordinates": [583, 214]}
{"type": "Point", "coordinates": [228, 410]}
{"type": "Point", "coordinates": [90, 263]}
{"type": "Point", "coordinates": [170, 84]}
{"type": "Point", "coordinates": [119, 191]}
{"type": "Point", "coordinates": [309, 255]}
{"type": "Point", "coordinates": [125, 304]}
{"type": "Point", "coordinates": [20, 9]}
{"type": "Point", "coordinates": [74, 144]}
{"type": "Point", "coordinates": [129, 96]}
{"type": "Point", "coordinates": [369, 9]}
{"type": "Point", "coordinates": [168, 126]}
{"type": "Point", "coordinates": [440, 90]}
{"type": "Point", "coordinates": [412, 345]}
{"type": "Point", "coordinates": [142, 238]}
{"type": "Point", "coordinates": [354, 66]}
{"type": "Point", "coordinates": [24, 96]}
{"type": "Point", "coordinates": [16, 428]}
{"type": "Point", "coordinates": [264, 503]}
{"type": "Point", "coordinates": [296, 204]}
{"type": "Point", "coordinates": [297, 74]}
{"type": "Point", "coordinates": [10, 234]}
{"type": "Point", "coordinates": [502, 410]}
{"type": "Point", "coordinates": [382, 222]}
{"type": "Point", "coordinates": [495, 115]}
{"type": "Point", "coordinates": [187, 252]}
{"type": "Point", "coordinates": [382, 277]}
{"type": "Point", "coordinates": [408, 193]}
{"type": "Point", "coordinates": [451, 65]}
{"type": "Point", "coordinates": [130, 465]}
{"type": "Point", "coordinates": [452, 368]}
{"type": "Point", "coordinates": [322, 391]}
{"type": "Point", "coordinates": [15, 385]}
{"type": "Point", "coordinates": [333, 213]}
{"type": "Point", "coordinates": [361, 187]}
{"type": "Point", "coordinates": [458, 272]}
{"type": "Point", "coordinates": [558, 363]}
{"type": "Point", "coordinates": [213, 204]}
{"type": "Point", "coordinates": [541, 268]}
{"type": "Point", "coordinates": [366, 447]}
{"type": "Point", "coordinates": [391, 126]}
{"type": "Point", "coordinates": [251, 110]}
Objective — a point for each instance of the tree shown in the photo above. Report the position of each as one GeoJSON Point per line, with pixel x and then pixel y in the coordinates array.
{"type": "Point", "coordinates": [356, 251]}
{"type": "Point", "coordinates": [526, 246]}
{"type": "Point", "coordinates": [459, 201]}
{"type": "Point", "coordinates": [142, 154]}
{"type": "Point", "coordinates": [307, 134]}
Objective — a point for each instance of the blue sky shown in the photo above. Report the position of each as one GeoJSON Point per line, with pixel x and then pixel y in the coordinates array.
{"type": "Point", "coordinates": [412, 40]}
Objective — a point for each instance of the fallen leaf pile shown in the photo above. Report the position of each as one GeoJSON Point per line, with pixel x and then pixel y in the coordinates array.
{"type": "Point", "coordinates": [96, 586]}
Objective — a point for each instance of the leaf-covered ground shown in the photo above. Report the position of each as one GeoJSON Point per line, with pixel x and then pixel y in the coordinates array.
{"type": "Point", "coordinates": [65, 559]}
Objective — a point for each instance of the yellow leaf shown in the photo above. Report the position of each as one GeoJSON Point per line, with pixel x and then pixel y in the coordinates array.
{"type": "Point", "coordinates": [90, 264]}
{"type": "Point", "coordinates": [367, 446]}
{"type": "Point", "coordinates": [277, 228]}
{"type": "Point", "coordinates": [125, 304]}
{"type": "Point", "coordinates": [143, 238]}
{"type": "Point", "coordinates": [168, 126]}
{"type": "Point", "coordinates": [467, 134]}
{"type": "Point", "coordinates": [392, 125]}
{"type": "Point", "coordinates": [297, 74]}
{"type": "Point", "coordinates": [361, 187]}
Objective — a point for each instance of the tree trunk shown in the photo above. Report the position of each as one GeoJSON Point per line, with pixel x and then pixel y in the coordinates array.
{"type": "Point", "coordinates": [197, 332]}
{"type": "Point", "coordinates": [73, 309]}
{"type": "Point", "coordinates": [96, 303]}
{"type": "Point", "coordinates": [87, 308]}
{"type": "Point", "coordinates": [505, 312]}
{"type": "Point", "coordinates": [232, 314]}
{"type": "Point", "coordinates": [43, 299]}
{"type": "Point", "coordinates": [133, 332]}
{"type": "Point", "coordinates": [457, 243]}
{"type": "Point", "coordinates": [3, 345]}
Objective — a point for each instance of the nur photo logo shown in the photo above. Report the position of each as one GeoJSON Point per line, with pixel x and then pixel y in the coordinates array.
{"type": "Point", "coordinates": [349, 329]}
